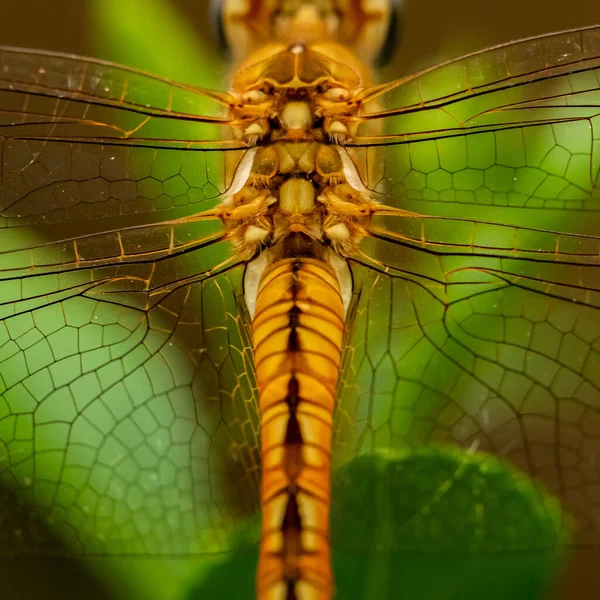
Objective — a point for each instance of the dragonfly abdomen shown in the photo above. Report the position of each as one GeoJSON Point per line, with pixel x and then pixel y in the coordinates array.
{"type": "Point", "coordinates": [298, 328]}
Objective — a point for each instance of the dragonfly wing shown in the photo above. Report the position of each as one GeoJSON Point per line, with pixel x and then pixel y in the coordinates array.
{"type": "Point", "coordinates": [477, 312]}
{"type": "Point", "coordinates": [127, 411]}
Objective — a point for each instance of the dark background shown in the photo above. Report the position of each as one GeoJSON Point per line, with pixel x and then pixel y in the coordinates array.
{"type": "Point", "coordinates": [434, 30]}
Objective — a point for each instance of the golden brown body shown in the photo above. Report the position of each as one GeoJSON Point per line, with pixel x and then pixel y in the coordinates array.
{"type": "Point", "coordinates": [296, 208]}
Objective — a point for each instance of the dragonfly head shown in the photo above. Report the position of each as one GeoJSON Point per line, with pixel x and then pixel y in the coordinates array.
{"type": "Point", "coordinates": [365, 26]}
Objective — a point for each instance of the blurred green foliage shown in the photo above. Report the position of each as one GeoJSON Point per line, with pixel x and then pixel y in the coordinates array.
{"type": "Point", "coordinates": [155, 37]}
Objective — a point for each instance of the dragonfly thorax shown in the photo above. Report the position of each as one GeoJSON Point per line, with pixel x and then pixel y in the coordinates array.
{"type": "Point", "coordinates": [296, 107]}
{"type": "Point", "coordinates": [296, 102]}
{"type": "Point", "coordinates": [296, 201]}
{"type": "Point", "coordinates": [294, 187]}
{"type": "Point", "coordinates": [297, 191]}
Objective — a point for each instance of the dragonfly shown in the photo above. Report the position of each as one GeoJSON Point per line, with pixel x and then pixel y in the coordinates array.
{"type": "Point", "coordinates": [214, 303]}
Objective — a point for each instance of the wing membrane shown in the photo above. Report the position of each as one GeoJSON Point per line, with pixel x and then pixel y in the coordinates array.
{"type": "Point", "coordinates": [127, 406]}
{"type": "Point", "coordinates": [573, 55]}
{"type": "Point", "coordinates": [477, 315]}
{"type": "Point", "coordinates": [89, 82]}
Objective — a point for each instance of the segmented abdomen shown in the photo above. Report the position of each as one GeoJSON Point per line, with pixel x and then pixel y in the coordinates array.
{"type": "Point", "coordinates": [298, 328]}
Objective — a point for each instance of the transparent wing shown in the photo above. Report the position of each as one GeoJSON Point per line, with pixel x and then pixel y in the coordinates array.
{"type": "Point", "coordinates": [477, 314]}
{"type": "Point", "coordinates": [127, 416]}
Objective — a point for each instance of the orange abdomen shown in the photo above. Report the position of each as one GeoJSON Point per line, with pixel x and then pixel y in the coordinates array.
{"type": "Point", "coordinates": [298, 328]}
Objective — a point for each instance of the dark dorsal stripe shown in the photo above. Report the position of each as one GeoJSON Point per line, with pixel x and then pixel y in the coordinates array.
{"type": "Point", "coordinates": [291, 517]}
{"type": "Point", "coordinates": [293, 433]}
{"type": "Point", "coordinates": [293, 339]}
{"type": "Point", "coordinates": [290, 592]}
{"type": "Point", "coordinates": [293, 394]}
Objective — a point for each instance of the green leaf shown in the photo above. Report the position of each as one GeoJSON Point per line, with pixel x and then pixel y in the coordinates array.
{"type": "Point", "coordinates": [442, 523]}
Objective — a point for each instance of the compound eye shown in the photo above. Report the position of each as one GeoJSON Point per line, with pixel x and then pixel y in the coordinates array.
{"type": "Point", "coordinates": [254, 97]}
{"type": "Point", "coordinates": [337, 94]}
{"type": "Point", "coordinates": [217, 29]}
{"type": "Point", "coordinates": [394, 33]}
